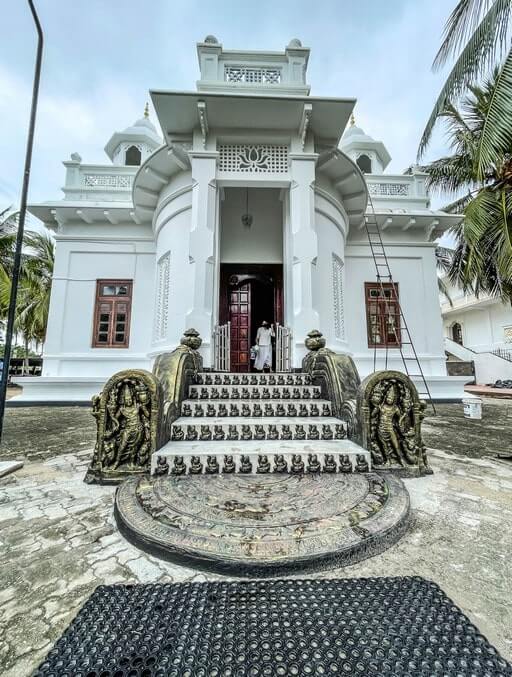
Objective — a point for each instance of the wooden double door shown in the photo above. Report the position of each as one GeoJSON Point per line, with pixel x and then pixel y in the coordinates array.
{"type": "Point", "coordinates": [249, 294]}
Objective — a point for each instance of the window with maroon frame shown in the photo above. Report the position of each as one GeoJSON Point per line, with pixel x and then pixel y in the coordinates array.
{"type": "Point", "coordinates": [382, 315]}
{"type": "Point", "coordinates": [112, 314]}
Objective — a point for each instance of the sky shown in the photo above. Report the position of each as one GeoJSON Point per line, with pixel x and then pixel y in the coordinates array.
{"type": "Point", "coordinates": [102, 56]}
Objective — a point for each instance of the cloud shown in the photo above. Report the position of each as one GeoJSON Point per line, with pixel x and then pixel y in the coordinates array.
{"type": "Point", "coordinates": [99, 64]}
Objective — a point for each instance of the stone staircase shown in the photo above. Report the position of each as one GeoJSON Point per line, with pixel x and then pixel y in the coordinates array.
{"type": "Point", "coordinates": [258, 423]}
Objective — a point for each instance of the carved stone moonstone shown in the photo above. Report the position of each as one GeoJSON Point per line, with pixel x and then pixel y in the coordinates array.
{"type": "Point", "coordinates": [127, 414]}
{"type": "Point", "coordinates": [390, 413]}
{"type": "Point", "coordinates": [249, 523]}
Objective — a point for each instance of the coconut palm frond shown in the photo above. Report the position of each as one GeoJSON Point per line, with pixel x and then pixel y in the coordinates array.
{"type": "Point", "coordinates": [443, 258]}
{"type": "Point", "coordinates": [443, 290]}
{"type": "Point", "coordinates": [496, 135]}
{"type": "Point", "coordinates": [458, 206]}
{"type": "Point", "coordinates": [461, 23]}
{"type": "Point", "coordinates": [484, 217]}
{"type": "Point", "coordinates": [449, 174]}
{"type": "Point", "coordinates": [487, 43]}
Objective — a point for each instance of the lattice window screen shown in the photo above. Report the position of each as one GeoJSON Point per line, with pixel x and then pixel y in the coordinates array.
{"type": "Point", "coordinates": [162, 301]}
{"type": "Point", "coordinates": [253, 158]}
{"type": "Point", "coordinates": [337, 291]}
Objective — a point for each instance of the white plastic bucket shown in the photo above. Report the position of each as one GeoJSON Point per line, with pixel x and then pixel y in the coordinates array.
{"type": "Point", "coordinates": [472, 407]}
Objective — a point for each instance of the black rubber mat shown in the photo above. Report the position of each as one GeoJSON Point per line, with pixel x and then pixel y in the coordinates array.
{"type": "Point", "coordinates": [373, 626]}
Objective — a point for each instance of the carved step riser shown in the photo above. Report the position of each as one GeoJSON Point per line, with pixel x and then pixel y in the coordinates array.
{"type": "Point", "coordinates": [255, 408]}
{"type": "Point", "coordinates": [261, 464]}
{"type": "Point", "coordinates": [254, 393]}
{"type": "Point", "coordinates": [253, 379]}
{"type": "Point", "coordinates": [256, 431]}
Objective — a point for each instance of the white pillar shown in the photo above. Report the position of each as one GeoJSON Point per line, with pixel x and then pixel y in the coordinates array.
{"type": "Point", "coordinates": [302, 249]}
{"type": "Point", "coordinates": [202, 246]}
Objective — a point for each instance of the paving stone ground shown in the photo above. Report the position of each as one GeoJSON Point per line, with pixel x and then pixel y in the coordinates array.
{"type": "Point", "coordinates": [58, 540]}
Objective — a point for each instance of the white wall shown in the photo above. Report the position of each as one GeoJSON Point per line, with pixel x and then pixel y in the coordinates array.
{"type": "Point", "coordinates": [330, 228]}
{"type": "Point", "coordinates": [172, 232]}
{"type": "Point", "coordinates": [413, 268]}
{"type": "Point", "coordinates": [263, 241]}
{"type": "Point", "coordinates": [84, 254]}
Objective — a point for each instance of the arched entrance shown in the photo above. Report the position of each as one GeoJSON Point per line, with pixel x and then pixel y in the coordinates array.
{"type": "Point", "coordinates": [457, 333]}
{"type": "Point", "coordinates": [249, 294]}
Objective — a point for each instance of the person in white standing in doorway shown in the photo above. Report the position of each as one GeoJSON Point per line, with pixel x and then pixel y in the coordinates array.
{"type": "Point", "coordinates": [264, 342]}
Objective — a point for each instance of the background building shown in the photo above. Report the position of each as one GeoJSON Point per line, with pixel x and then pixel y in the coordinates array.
{"type": "Point", "coordinates": [478, 330]}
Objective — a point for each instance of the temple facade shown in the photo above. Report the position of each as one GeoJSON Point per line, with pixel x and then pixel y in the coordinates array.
{"type": "Point", "coordinates": [251, 206]}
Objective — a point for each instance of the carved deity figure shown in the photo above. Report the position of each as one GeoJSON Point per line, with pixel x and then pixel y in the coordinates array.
{"type": "Point", "coordinates": [280, 464]}
{"type": "Point", "coordinates": [229, 464]}
{"type": "Point", "coordinates": [127, 418]}
{"type": "Point", "coordinates": [391, 417]}
{"type": "Point", "coordinates": [127, 432]}
{"type": "Point", "coordinates": [329, 464]}
{"type": "Point", "coordinates": [388, 418]}
{"type": "Point", "coordinates": [313, 463]}
{"type": "Point", "coordinates": [297, 464]}
{"type": "Point", "coordinates": [263, 464]}
{"type": "Point", "coordinates": [345, 463]}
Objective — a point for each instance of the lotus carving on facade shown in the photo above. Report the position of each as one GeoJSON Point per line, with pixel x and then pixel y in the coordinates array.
{"type": "Point", "coordinates": [253, 158]}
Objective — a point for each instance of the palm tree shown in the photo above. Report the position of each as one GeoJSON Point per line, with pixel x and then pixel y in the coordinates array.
{"type": "Point", "coordinates": [482, 258]}
{"type": "Point", "coordinates": [478, 34]}
{"type": "Point", "coordinates": [8, 220]}
{"type": "Point", "coordinates": [34, 286]}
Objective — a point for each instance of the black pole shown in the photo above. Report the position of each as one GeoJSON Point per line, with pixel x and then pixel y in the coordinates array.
{"type": "Point", "coordinates": [21, 223]}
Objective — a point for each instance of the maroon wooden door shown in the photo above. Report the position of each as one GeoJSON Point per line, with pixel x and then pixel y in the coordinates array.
{"type": "Point", "coordinates": [240, 318]}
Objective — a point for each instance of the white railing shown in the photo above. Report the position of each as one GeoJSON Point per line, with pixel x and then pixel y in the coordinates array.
{"type": "Point", "coordinates": [222, 347]}
{"type": "Point", "coordinates": [252, 75]}
{"type": "Point", "coordinates": [391, 189]}
{"type": "Point", "coordinates": [397, 186]}
{"type": "Point", "coordinates": [283, 348]}
{"type": "Point", "coordinates": [107, 181]}
{"type": "Point", "coordinates": [88, 182]}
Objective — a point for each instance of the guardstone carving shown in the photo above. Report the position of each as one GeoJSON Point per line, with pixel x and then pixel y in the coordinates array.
{"type": "Point", "coordinates": [127, 414]}
{"type": "Point", "coordinates": [175, 371]}
{"type": "Point", "coordinates": [337, 376]}
{"type": "Point", "coordinates": [391, 413]}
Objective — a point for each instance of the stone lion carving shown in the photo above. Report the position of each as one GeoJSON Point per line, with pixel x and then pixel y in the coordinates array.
{"type": "Point", "coordinates": [127, 417]}
{"type": "Point", "coordinates": [390, 414]}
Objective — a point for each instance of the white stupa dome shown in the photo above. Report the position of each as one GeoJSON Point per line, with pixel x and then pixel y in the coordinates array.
{"type": "Point", "coordinates": [356, 134]}
{"type": "Point", "coordinates": [143, 131]}
{"type": "Point", "coordinates": [356, 141]}
{"type": "Point", "coordinates": [141, 126]}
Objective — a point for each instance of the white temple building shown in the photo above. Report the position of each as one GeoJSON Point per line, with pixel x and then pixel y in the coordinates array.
{"type": "Point", "coordinates": [252, 206]}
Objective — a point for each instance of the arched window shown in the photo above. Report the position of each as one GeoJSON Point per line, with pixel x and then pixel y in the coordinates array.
{"type": "Point", "coordinates": [365, 164]}
{"type": "Point", "coordinates": [457, 333]}
{"type": "Point", "coordinates": [133, 156]}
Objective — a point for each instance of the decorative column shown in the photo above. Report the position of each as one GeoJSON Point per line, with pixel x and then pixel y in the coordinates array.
{"type": "Point", "coordinates": [202, 245]}
{"type": "Point", "coordinates": [302, 248]}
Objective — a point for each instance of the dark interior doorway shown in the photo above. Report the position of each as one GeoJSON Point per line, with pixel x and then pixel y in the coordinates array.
{"type": "Point", "coordinates": [457, 333]}
{"type": "Point", "coordinates": [249, 294]}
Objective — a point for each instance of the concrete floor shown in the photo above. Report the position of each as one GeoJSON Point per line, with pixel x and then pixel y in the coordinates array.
{"type": "Point", "coordinates": [58, 540]}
